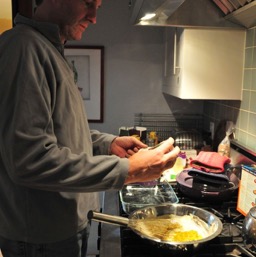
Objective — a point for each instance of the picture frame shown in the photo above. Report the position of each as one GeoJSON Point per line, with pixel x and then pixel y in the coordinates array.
{"type": "Point", "coordinates": [9, 9]}
{"type": "Point", "coordinates": [6, 15]}
{"type": "Point", "coordinates": [87, 63]}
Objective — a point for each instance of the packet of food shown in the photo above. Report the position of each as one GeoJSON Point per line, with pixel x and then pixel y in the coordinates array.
{"type": "Point", "coordinates": [224, 146]}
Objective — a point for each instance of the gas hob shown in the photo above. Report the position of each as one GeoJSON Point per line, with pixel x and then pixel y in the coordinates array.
{"type": "Point", "coordinates": [228, 243]}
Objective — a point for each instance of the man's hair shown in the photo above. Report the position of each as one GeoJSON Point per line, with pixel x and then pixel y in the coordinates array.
{"type": "Point", "coordinates": [38, 2]}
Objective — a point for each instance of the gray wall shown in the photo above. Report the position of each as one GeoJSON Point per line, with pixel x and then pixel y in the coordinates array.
{"type": "Point", "coordinates": [133, 68]}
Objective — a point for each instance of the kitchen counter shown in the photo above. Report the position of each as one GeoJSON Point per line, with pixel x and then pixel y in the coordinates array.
{"type": "Point", "coordinates": [110, 234]}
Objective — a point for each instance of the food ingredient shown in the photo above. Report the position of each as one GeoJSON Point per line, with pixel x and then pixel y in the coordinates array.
{"type": "Point", "coordinates": [172, 227]}
{"type": "Point", "coordinates": [224, 146]}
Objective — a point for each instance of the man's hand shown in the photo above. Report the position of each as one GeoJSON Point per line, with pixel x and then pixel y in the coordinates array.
{"type": "Point", "coordinates": [148, 164]}
{"type": "Point", "coordinates": [126, 146]}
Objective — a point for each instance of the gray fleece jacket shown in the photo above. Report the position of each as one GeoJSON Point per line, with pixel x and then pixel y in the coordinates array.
{"type": "Point", "coordinates": [50, 162]}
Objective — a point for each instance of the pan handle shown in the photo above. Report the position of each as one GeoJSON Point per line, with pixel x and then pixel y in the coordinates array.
{"type": "Point", "coordinates": [210, 193]}
{"type": "Point", "coordinates": [106, 218]}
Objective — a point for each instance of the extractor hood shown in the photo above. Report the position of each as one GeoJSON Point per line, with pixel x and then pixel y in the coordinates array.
{"type": "Point", "coordinates": [195, 13]}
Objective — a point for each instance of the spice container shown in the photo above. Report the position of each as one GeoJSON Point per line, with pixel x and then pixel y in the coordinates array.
{"type": "Point", "coordinates": [153, 138]}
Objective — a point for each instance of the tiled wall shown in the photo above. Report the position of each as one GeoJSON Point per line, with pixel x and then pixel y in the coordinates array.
{"type": "Point", "coordinates": [242, 113]}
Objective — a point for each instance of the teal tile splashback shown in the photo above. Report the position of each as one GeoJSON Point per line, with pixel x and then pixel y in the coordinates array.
{"type": "Point", "coordinates": [242, 113]}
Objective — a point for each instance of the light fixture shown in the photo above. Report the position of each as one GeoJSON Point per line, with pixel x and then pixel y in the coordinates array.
{"type": "Point", "coordinates": [148, 16]}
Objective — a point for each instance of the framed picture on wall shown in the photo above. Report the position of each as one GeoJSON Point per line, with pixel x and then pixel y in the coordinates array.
{"type": "Point", "coordinates": [87, 63]}
{"type": "Point", "coordinates": [9, 9]}
{"type": "Point", "coordinates": [6, 15]}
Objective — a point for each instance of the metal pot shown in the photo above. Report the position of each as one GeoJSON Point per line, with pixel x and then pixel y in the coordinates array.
{"type": "Point", "coordinates": [190, 139]}
{"type": "Point", "coordinates": [210, 188]}
{"type": "Point", "coordinates": [249, 227]}
{"type": "Point", "coordinates": [209, 222]}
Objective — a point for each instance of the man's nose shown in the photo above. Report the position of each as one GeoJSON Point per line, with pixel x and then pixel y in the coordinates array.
{"type": "Point", "coordinates": [92, 20]}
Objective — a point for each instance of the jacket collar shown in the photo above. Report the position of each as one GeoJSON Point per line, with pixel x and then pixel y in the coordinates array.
{"type": "Point", "coordinates": [49, 30]}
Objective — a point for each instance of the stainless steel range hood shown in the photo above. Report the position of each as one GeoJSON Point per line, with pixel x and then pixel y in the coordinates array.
{"type": "Point", "coordinates": [193, 13]}
{"type": "Point", "coordinates": [245, 15]}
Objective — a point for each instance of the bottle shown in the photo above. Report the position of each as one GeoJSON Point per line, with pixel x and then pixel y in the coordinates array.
{"type": "Point", "coordinates": [150, 142]}
{"type": "Point", "coordinates": [153, 135]}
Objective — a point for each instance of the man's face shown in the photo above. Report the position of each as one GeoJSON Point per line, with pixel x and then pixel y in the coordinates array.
{"type": "Point", "coordinates": [77, 16]}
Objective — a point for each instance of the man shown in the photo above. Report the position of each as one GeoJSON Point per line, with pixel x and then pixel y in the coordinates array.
{"type": "Point", "coordinates": [51, 164]}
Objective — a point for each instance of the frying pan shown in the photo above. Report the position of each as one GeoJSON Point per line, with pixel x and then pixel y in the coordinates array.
{"type": "Point", "coordinates": [210, 187]}
{"type": "Point", "coordinates": [206, 222]}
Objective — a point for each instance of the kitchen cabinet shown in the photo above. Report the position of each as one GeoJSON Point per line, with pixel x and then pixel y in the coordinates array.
{"type": "Point", "coordinates": [204, 63]}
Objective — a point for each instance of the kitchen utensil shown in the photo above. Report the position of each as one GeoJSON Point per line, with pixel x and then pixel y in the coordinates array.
{"type": "Point", "coordinates": [155, 146]}
{"type": "Point", "coordinates": [249, 227]}
{"type": "Point", "coordinates": [189, 139]}
{"type": "Point", "coordinates": [136, 196]}
{"type": "Point", "coordinates": [209, 222]}
{"type": "Point", "coordinates": [208, 186]}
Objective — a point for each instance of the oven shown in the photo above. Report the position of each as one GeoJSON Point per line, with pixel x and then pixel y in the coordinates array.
{"type": "Point", "coordinates": [118, 241]}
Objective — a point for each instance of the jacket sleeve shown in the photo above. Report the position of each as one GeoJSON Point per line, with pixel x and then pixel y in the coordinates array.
{"type": "Point", "coordinates": [101, 142]}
